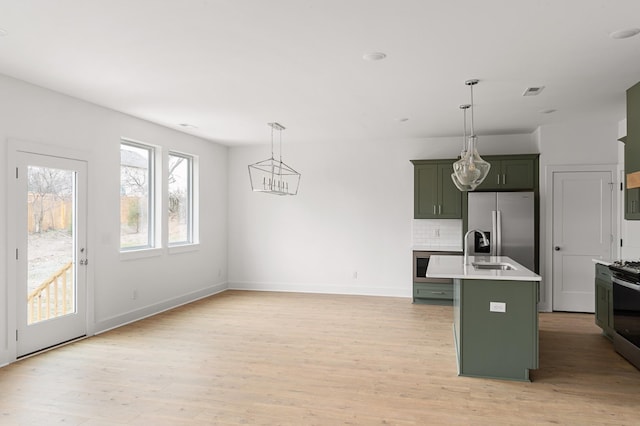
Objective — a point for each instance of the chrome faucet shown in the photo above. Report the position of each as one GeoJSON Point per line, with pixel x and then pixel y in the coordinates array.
{"type": "Point", "coordinates": [485, 242]}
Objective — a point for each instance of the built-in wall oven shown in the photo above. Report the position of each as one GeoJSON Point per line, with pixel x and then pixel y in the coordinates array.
{"type": "Point", "coordinates": [626, 310]}
{"type": "Point", "coordinates": [433, 291]}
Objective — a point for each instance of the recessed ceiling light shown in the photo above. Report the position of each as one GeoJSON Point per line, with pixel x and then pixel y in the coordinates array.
{"type": "Point", "coordinates": [187, 126]}
{"type": "Point", "coordinates": [402, 120]}
{"type": "Point", "coordinates": [3, 32]}
{"type": "Point", "coordinates": [620, 34]}
{"type": "Point", "coordinates": [374, 56]}
{"type": "Point", "coordinates": [548, 111]}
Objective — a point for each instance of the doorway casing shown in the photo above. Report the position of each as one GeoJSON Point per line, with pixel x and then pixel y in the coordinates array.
{"type": "Point", "coordinates": [14, 147]}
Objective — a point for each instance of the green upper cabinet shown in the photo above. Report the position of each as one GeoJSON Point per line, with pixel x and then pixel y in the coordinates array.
{"type": "Point", "coordinates": [632, 151]}
{"type": "Point", "coordinates": [510, 173]}
{"type": "Point", "coordinates": [632, 204]}
{"type": "Point", "coordinates": [632, 142]}
{"type": "Point", "coordinates": [435, 195]}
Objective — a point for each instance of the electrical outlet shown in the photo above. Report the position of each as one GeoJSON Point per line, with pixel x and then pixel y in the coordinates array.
{"type": "Point", "coordinates": [355, 275]}
{"type": "Point", "coordinates": [497, 307]}
{"type": "Point", "coordinates": [134, 295]}
{"type": "Point", "coordinates": [435, 232]}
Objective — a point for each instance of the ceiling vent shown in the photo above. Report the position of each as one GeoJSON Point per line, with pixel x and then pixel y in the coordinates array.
{"type": "Point", "coordinates": [533, 91]}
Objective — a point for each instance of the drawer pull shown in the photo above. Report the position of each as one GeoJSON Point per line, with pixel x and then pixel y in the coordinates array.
{"type": "Point", "coordinates": [437, 292]}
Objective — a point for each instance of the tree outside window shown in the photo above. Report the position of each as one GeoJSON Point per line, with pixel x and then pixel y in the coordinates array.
{"type": "Point", "coordinates": [136, 209]}
{"type": "Point", "coordinates": [180, 200]}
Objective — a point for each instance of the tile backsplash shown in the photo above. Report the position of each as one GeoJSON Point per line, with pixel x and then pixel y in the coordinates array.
{"type": "Point", "coordinates": [437, 232]}
{"type": "Point", "coordinates": [630, 234]}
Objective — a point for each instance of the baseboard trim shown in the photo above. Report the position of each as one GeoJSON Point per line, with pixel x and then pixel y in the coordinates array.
{"type": "Point", "coordinates": [148, 311]}
{"type": "Point", "coordinates": [323, 289]}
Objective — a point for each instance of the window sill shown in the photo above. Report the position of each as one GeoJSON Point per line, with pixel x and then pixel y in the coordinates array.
{"type": "Point", "coordinates": [183, 248]}
{"type": "Point", "coordinates": [140, 254]}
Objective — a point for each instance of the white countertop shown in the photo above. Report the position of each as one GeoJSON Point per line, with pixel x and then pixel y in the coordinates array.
{"type": "Point", "coordinates": [453, 267]}
{"type": "Point", "coordinates": [436, 248]}
{"type": "Point", "coordinates": [605, 262]}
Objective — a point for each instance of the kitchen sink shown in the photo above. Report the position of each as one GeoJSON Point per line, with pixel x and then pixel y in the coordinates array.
{"type": "Point", "coordinates": [496, 266]}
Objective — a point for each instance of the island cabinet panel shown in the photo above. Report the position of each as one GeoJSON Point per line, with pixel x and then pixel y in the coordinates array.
{"type": "Point", "coordinates": [491, 343]}
{"type": "Point", "coordinates": [435, 195]}
{"type": "Point", "coordinates": [604, 300]}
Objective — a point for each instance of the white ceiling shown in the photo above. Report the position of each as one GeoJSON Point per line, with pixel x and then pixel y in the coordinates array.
{"type": "Point", "coordinates": [230, 66]}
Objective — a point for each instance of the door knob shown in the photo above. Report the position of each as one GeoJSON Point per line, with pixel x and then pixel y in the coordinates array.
{"type": "Point", "coordinates": [556, 248]}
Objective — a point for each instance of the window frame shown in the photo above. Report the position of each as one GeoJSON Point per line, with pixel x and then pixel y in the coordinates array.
{"type": "Point", "coordinates": [191, 201]}
{"type": "Point", "coordinates": [151, 248]}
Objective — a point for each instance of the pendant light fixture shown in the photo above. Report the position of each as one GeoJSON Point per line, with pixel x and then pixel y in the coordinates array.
{"type": "Point", "coordinates": [463, 151]}
{"type": "Point", "coordinates": [273, 176]}
{"type": "Point", "coordinates": [470, 170]}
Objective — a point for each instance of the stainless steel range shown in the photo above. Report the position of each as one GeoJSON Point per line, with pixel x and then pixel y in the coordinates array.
{"type": "Point", "coordinates": [626, 309]}
{"type": "Point", "coordinates": [629, 270]}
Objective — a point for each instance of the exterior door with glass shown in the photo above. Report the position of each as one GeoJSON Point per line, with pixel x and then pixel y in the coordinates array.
{"type": "Point", "coordinates": [51, 252]}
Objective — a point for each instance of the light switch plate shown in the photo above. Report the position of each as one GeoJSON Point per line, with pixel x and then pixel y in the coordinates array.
{"type": "Point", "coordinates": [497, 307]}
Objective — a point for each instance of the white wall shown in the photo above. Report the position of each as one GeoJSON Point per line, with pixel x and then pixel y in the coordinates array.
{"type": "Point", "coordinates": [348, 231]}
{"type": "Point", "coordinates": [353, 214]}
{"type": "Point", "coordinates": [30, 113]}
{"type": "Point", "coordinates": [586, 142]}
{"type": "Point", "coordinates": [354, 209]}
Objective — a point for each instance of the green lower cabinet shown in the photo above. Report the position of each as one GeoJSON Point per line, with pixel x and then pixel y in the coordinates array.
{"type": "Point", "coordinates": [491, 343]}
{"type": "Point", "coordinates": [433, 293]}
{"type": "Point", "coordinates": [604, 300]}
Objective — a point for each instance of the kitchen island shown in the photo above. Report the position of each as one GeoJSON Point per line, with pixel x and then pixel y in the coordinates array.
{"type": "Point", "coordinates": [495, 315]}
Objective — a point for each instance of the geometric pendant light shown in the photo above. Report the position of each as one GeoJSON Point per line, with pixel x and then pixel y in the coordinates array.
{"type": "Point", "coordinates": [272, 176]}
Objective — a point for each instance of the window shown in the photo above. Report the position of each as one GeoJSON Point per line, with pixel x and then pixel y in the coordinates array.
{"type": "Point", "coordinates": [136, 196]}
{"type": "Point", "coordinates": [180, 199]}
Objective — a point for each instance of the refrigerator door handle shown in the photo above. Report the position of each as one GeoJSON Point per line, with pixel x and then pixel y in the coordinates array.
{"type": "Point", "coordinates": [499, 233]}
{"type": "Point", "coordinates": [494, 235]}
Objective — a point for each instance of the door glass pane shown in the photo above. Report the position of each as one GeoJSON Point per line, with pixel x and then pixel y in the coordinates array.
{"type": "Point", "coordinates": [50, 243]}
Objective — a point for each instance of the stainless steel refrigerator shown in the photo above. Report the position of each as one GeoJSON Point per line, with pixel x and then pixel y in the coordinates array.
{"type": "Point", "coordinates": [508, 219]}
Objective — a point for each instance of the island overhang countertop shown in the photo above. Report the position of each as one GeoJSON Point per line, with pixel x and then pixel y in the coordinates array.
{"type": "Point", "coordinates": [454, 267]}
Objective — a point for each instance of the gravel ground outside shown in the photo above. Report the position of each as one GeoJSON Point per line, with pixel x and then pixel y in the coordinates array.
{"type": "Point", "coordinates": [47, 252]}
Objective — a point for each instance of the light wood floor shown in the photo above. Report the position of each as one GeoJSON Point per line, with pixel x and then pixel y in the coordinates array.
{"type": "Point", "coordinates": [302, 359]}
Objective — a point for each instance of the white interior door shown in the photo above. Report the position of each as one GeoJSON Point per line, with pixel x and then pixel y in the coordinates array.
{"type": "Point", "coordinates": [50, 251]}
{"type": "Point", "coordinates": [582, 231]}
